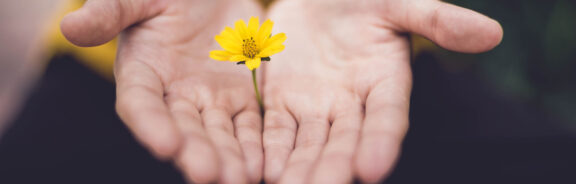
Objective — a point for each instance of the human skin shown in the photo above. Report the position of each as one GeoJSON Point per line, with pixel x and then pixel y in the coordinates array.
{"type": "Point", "coordinates": [21, 48]}
{"type": "Point", "coordinates": [185, 107]}
{"type": "Point", "coordinates": [337, 99]}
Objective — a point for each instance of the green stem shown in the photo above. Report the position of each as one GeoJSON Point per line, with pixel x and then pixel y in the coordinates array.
{"type": "Point", "coordinates": [257, 91]}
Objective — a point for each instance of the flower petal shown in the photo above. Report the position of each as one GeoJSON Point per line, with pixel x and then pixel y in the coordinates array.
{"type": "Point", "coordinates": [220, 55]}
{"type": "Point", "coordinates": [269, 51]}
{"type": "Point", "coordinates": [253, 63]}
{"type": "Point", "coordinates": [228, 44]}
{"type": "Point", "coordinates": [253, 26]}
{"type": "Point", "coordinates": [240, 26]}
{"type": "Point", "coordinates": [231, 34]}
{"type": "Point", "coordinates": [238, 57]}
{"type": "Point", "coordinates": [264, 32]}
{"type": "Point", "coordinates": [277, 39]}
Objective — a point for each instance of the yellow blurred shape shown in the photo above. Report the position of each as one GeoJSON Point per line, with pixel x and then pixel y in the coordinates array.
{"type": "Point", "coordinates": [100, 58]}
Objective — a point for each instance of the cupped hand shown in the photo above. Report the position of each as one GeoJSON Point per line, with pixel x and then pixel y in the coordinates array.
{"type": "Point", "coordinates": [177, 101]}
{"type": "Point", "coordinates": [337, 99]}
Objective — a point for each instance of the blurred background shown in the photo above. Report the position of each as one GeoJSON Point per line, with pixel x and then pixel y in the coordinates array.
{"type": "Point", "coordinates": [505, 116]}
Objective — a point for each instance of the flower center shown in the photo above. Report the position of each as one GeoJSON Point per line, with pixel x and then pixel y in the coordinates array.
{"type": "Point", "coordinates": [249, 48]}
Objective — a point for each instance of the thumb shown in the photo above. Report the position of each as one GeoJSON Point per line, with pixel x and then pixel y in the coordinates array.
{"type": "Point", "coordinates": [450, 26]}
{"type": "Point", "coordinates": [99, 21]}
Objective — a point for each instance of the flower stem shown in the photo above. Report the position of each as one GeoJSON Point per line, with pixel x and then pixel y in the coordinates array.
{"type": "Point", "coordinates": [261, 105]}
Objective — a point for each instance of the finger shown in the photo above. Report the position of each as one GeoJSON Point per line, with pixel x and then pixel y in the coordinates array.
{"type": "Point", "coordinates": [99, 21]}
{"type": "Point", "coordinates": [140, 104]}
{"type": "Point", "coordinates": [336, 161]}
{"type": "Point", "coordinates": [452, 27]}
{"type": "Point", "coordinates": [278, 139]}
{"type": "Point", "coordinates": [249, 134]}
{"type": "Point", "coordinates": [198, 160]}
{"type": "Point", "coordinates": [220, 129]}
{"type": "Point", "coordinates": [384, 126]}
{"type": "Point", "coordinates": [310, 139]}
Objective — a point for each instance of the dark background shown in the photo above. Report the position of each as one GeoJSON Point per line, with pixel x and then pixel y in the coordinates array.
{"type": "Point", "coordinates": [506, 116]}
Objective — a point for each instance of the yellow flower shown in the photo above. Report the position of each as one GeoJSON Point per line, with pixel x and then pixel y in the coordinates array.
{"type": "Point", "coordinates": [248, 43]}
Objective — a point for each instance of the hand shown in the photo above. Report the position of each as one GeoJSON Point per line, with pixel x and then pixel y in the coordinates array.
{"type": "Point", "coordinates": [176, 100]}
{"type": "Point", "coordinates": [337, 99]}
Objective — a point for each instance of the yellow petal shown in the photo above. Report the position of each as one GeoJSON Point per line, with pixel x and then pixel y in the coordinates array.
{"type": "Point", "coordinates": [275, 40]}
{"type": "Point", "coordinates": [269, 51]}
{"type": "Point", "coordinates": [274, 45]}
{"type": "Point", "coordinates": [264, 32]}
{"type": "Point", "coordinates": [229, 45]}
{"type": "Point", "coordinates": [253, 63]}
{"type": "Point", "coordinates": [238, 58]}
{"type": "Point", "coordinates": [231, 34]}
{"type": "Point", "coordinates": [253, 25]}
{"type": "Point", "coordinates": [240, 26]}
{"type": "Point", "coordinates": [220, 55]}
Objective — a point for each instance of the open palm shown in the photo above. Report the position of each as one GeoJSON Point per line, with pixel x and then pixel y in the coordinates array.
{"type": "Point", "coordinates": [176, 100]}
{"type": "Point", "coordinates": [337, 99]}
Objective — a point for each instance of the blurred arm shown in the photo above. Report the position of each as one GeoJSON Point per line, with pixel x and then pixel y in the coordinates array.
{"type": "Point", "coordinates": [20, 49]}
